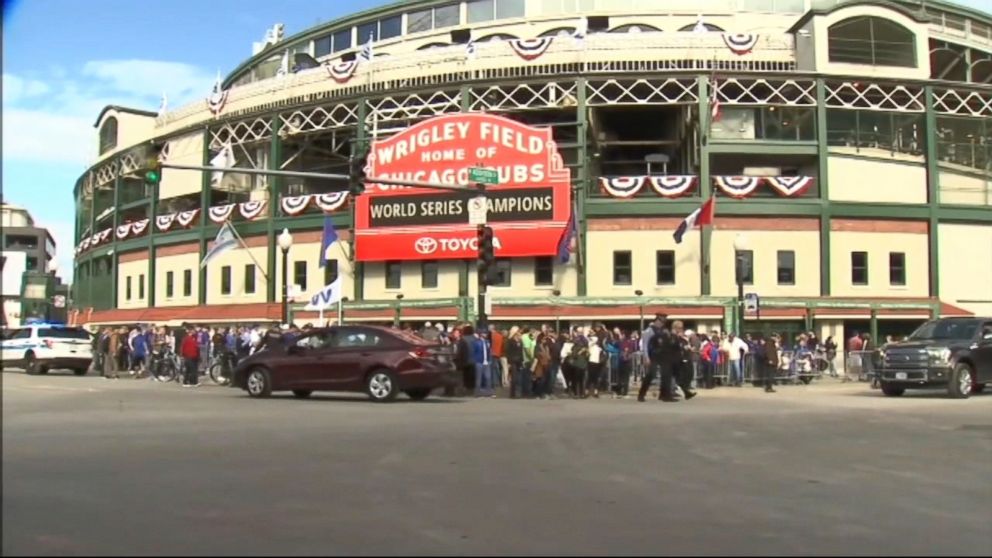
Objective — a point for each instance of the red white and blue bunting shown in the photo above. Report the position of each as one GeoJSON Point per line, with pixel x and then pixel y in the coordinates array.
{"type": "Point", "coordinates": [665, 186]}
{"type": "Point", "coordinates": [251, 209]}
{"type": "Point", "coordinates": [185, 218]}
{"type": "Point", "coordinates": [738, 186]}
{"type": "Point", "coordinates": [530, 49]}
{"type": "Point", "coordinates": [622, 186]}
{"type": "Point", "coordinates": [139, 226]}
{"type": "Point", "coordinates": [790, 186]}
{"type": "Point", "coordinates": [294, 205]}
{"type": "Point", "coordinates": [740, 43]}
{"type": "Point", "coordinates": [672, 186]}
{"type": "Point", "coordinates": [123, 231]}
{"type": "Point", "coordinates": [221, 213]}
{"type": "Point", "coordinates": [330, 202]}
{"type": "Point", "coordinates": [342, 72]}
{"type": "Point", "coordinates": [165, 222]}
{"type": "Point", "coordinates": [215, 102]}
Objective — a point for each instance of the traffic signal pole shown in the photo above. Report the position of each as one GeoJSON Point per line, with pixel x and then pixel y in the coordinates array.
{"type": "Point", "coordinates": [483, 318]}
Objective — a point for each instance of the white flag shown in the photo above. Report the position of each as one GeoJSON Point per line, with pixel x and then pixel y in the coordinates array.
{"type": "Point", "coordinates": [164, 107]}
{"type": "Point", "coordinates": [581, 29]}
{"type": "Point", "coordinates": [700, 26]}
{"type": "Point", "coordinates": [470, 50]}
{"type": "Point", "coordinates": [327, 296]}
{"type": "Point", "coordinates": [283, 70]}
{"type": "Point", "coordinates": [226, 240]}
{"type": "Point", "coordinates": [223, 160]}
{"type": "Point", "coordinates": [366, 55]}
{"type": "Point", "coordinates": [218, 88]}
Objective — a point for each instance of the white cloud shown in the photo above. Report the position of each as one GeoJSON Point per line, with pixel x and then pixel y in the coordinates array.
{"type": "Point", "coordinates": [36, 135]}
{"type": "Point", "coordinates": [151, 78]}
{"type": "Point", "coordinates": [16, 88]}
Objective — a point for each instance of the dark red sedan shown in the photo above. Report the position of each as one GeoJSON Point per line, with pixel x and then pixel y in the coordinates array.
{"type": "Point", "coordinates": [379, 361]}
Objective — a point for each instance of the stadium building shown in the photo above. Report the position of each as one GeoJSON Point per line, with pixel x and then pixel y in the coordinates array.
{"type": "Point", "coordinates": [848, 146]}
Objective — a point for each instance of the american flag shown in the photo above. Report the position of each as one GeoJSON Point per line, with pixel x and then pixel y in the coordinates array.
{"type": "Point", "coordinates": [366, 55]}
{"type": "Point", "coordinates": [470, 50]}
{"type": "Point", "coordinates": [714, 101]}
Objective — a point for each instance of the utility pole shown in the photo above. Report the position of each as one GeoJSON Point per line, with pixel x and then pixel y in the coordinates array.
{"type": "Point", "coordinates": [486, 262]}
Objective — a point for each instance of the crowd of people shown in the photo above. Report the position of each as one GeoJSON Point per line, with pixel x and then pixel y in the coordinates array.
{"type": "Point", "coordinates": [530, 362]}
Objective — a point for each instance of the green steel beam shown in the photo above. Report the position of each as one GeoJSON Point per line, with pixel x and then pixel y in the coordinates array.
{"type": "Point", "coordinates": [152, 212]}
{"type": "Point", "coordinates": [205, 191]}
{"type": "Point", "coordinates": [464, 269]}
{"type": "Point", "coordinates": [933, 189]}
{"type": "Point", "coordinates": [359, 143]}
{"type": "Point", "coordinates": [113, 235]}
{"type": "Point", "coordinates": [823, 181]}
{"type": "Point", "coordinates": [275, 187]}
{"type": "Point", "coordinates": [705, 184]}
{"type": "Point", "coordinates": [610, 207]}
{"type": "Point", "coordinates": [762, 148]}
{"type": "Point", "coordinates": [582, 278]}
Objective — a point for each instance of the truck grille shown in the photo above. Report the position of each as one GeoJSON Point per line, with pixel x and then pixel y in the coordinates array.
{"type": "Point", "coordinates": [907, 359]}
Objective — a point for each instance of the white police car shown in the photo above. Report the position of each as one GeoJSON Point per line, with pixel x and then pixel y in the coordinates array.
{"type": "Point", "coordinates": [40, 347]}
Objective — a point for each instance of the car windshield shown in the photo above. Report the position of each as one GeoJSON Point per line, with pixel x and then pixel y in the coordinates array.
{"type": "Point", "coordinates": [948, 329]}
{"type": "Point", "coordinates": [64, 333]}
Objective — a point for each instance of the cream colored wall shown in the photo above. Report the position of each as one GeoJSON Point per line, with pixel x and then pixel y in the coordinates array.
{"type": "Point", "coordinates": [184, 150]}
{"type": "Point", "coordinates": [806, 47]}
{"type": "Point", "coordinates": [177, 264]}
{"type": "Point", "coordinates": [522, 281]}
{"type": "Point", "coordinates": [447, 281]}
{"type": "Point", "coordinates": [878, 245]}
{"type": "Point", "coordinates": [965, 254]}
{"type": "Point", "coordinates": [132, 129]}
{"type": "Point", "coordinates": [871, 180]}
{"type": "Point", "coordinates": [134, 270]}
{"type": "Point", "coordinates": [600, 246]}
{"type": "Point", "coordinates": [964, 189]}
{"type": "Point", "coordinates": [237, 259]}
{"type": "Point", "coordinates": [765, 245]}
{"type": "Point", "coordinates": [822, 25]}
{"type": "Point", "coordinates": [310, 253]}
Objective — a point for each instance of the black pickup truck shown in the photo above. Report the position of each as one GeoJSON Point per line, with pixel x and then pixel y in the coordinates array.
{"type": "Point", "coordinates": [954, 353]}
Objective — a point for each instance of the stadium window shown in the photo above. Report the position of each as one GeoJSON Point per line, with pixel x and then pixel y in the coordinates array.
{"type": "Point", "coordinates": [330, 271]}
{"type": "Point", "coordinates": [786, 267]}
{"type": "Point", "coordinates": [225, 280]}
{"type": "Point", "coordinates": [300, 275]}
{"type": "Point", "coordinates": [859, 268]}
{"type": "Point", "coordinates": [422, 20]}
{"type": "Point", "coordinates": [127, 288]}
{"type": "Point", "coordinates": [504, 272]}
{"type": "Point", "coordinates": [108, 135]}
{"type": "Point", "coordinates": [665, 267]}
{"type": "Point", "coordinates": [872, 41]}
{"type": "Point", "coordinates": [366, 29]}
{"type": "Point", "coordinates": [390, 27]}
{"type": "Point", "coordinates": [141, 286]}
{"type": "Point", "coordinates": [558, 32]}
{"type": "Point", "coordinates": [481, 10]}
{"type": "Point", "coordinates": [622, 268]}
{"type": "Point", "coordinates": [170, 284]}
{"type": "Point", "coordinates": [446, 16]}
{"type": "Point", "coordinates": [544, 271]}
{"type": "Point", "coordinates": [744, 266]}
{"type": "Point", "coordinates": [635, 28]}
{"type": "Point", "coordinates": [708, 26]}
{"type": "Point", "coordinates": [342, 40]}
{"type": "Point", "coordinates": [394, 275]}
{"type": "Point", "coordinates": [428, 274]}
{"type": "Point", "coordinates": [506, 9]}
{"type": "Point", "coordinates": [188, 282]}
{"type": "Point", "coordinates": [897, 269]}
{"type": "Point", "coordinates": [323, 46]}
{"type": "Point", "coordinates": [249, 278]}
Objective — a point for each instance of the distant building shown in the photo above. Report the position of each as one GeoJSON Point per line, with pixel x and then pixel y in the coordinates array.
{"type": "Point", "coordinates": [30, 288]}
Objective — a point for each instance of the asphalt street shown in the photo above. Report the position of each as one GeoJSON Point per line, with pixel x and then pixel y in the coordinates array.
{"type": "Point", "coordinates": [137, 468]}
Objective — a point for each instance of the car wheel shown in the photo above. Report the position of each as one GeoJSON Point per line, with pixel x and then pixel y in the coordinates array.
{"type": "Point", "coordinates": [302, 393]}
{"type": "Point", "coordinates": [80, 371]}
{"type": "Point", "coordinates": [418, 394]}
{"type": "Point", "coordinates": [977, 388]}
{"type": "Point", "coordinates": [892, 390]}
{"type": "Point", "coordinates": [961, 379]}
{"type": "Point", "coordinates": [381, 385]}
{"type": "Point", "coordinates": [258, 383]}
{"type": "Point", "coordinates": [31, 365]}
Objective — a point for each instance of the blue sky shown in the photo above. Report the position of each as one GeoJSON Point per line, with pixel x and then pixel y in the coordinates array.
{"type": "Point", "coordinates": [64, 60]}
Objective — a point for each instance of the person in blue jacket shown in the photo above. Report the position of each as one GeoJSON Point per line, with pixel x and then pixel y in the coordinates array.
{"type": "Point", "coordinates": [482, 354]}
{"type": "Point", "coordinates": [139, 350]}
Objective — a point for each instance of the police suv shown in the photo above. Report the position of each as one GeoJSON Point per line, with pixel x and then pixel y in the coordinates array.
{"type": "Point", "coordinates": [40, 347]}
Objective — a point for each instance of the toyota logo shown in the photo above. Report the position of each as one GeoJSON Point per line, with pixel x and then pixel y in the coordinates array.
{"type": "Point", "coordinates": [425, 245]}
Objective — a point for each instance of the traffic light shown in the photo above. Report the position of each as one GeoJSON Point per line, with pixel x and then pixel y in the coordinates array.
{"type": "Point", "coordinates": [487, 256]}
{"type": "Point", "coordinates": [153, 164]}
{"type": "Point", "coordinates": [356, 174]}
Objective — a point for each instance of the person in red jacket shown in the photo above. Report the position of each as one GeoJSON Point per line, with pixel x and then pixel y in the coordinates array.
{"type": "Point", "coordinates": [190, 351]}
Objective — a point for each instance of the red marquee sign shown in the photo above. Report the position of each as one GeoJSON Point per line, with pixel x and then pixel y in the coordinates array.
{"type": "Point", "coordinates": [528, 209]}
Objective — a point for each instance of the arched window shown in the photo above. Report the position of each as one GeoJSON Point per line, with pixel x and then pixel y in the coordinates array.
{"type": "Point", "coordinates": [873, 41]}
{"type": "Point", "coordinates": [558, 32]}
{"type": "Point", "coordinates": [430, 46]}
{"type": "Point", "coordinates": [496, 37]}
{"type": "Point", "coordinates": [708, 26]}
{"type": "Point", "coordinates": [108, 135]}
{"type": "Point", "coordinates": [635, 28]}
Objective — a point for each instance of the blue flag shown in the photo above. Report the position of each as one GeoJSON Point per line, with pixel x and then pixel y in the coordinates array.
{"type": "Point", "coordinates": [330, 237]}
{"type": "Point", "coordinates": [564, 245]}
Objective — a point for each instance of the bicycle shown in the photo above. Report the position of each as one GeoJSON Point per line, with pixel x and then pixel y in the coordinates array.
{"type": "Point", "coordinates": [221, 368]}
{"type": "Point", "coordinates": [165, 366]}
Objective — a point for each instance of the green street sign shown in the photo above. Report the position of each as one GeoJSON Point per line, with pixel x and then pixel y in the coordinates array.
{"type": "Point", "coordinates": [483, 175]}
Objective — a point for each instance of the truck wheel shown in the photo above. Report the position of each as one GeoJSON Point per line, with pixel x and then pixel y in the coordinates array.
{"type": "Point", "coordinates": [977, 388]}
{"type": "Point", "coordinates": [961, 379]}
{"type": "Point", "coordinates": [31, 366]}
{"type": "Point", "coordinates": [892, 390]}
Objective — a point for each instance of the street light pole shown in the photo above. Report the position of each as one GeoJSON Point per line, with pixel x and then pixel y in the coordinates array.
{"type": "Point", "coordinates": [557, 294]}
{"type": "Point", "coordinates": [285, 240]}
{"type": "Point", "coordinates": [396, 320]}
{"type": "Point", "coordinates": [640, 303]}
{"type": "Point", "coordinates": [740, 244]}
